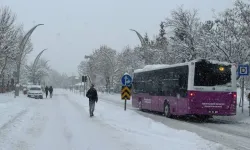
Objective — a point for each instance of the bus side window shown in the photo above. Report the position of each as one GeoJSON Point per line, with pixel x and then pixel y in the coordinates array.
{"type": "Point", "coordinates": [183, 85]}
{"type": "Point", "coordinates": [134, 87]}
{"type": "Point", "coordinates": [160, 89]}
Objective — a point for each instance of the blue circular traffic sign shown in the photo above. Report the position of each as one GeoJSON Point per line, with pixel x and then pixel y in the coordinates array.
{"type": "Point", "coordinates": [126, 80]}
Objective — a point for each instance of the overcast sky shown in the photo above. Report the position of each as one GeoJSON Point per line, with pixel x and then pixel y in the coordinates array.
{"type": "Point", "coordinates": [73, 28]}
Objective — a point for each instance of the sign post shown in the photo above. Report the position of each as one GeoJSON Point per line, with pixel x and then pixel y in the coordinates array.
{"type": "Point", "coordinates": [81, 89]}
{"type": "Point", "coordinates": [243, 70]}
{"type": "Point", "coordinates": [84, 80]}
{"type": "Point", "coordinates": [126, 89]}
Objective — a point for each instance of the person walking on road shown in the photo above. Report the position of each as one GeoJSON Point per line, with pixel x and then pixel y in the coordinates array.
{"type": "Point", "coordinates": [93, 98]}
{"type": "Point", "coordinates": [50, 91]}
{"type": "Point", "coordinates": [46, 91]}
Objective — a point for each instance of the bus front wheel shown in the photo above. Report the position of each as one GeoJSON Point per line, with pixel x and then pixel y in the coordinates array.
{"type": "Point", "coordinates": [167, 111]}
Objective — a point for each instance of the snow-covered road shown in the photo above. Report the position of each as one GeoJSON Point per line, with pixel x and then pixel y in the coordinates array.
{"type": "Point", "coordinates": [63, 123]}
{"type": "Point", "coordinates": [57, 124]}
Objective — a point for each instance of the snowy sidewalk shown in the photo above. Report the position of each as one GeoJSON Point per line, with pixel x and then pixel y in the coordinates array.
{"type": "Point", "coordinates": [63, 123]}
{"type": "Point", "coordinates": [144, 133]}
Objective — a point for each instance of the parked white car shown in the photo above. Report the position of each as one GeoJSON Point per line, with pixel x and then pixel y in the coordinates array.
{"type": "Point", "coordinates": [35, 91]}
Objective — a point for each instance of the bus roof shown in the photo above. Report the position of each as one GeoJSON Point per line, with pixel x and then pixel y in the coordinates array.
{"type": "Point", "coordinates": [164, 66]}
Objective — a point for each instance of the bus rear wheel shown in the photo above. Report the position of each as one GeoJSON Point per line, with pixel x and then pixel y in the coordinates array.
{"type": "Point", "coordinates": [167, 112]}
{"type": "Point", "coordinates": [203, 118]}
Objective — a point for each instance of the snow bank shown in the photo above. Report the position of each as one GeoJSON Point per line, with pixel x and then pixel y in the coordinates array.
{"type": "Point", "coordinates": [144, 133]}
{"type": "Point", "coordinates": [113, 97]}
{"type": "Point", "coordinates": [151, 134]}
{"type": "Point", "coordinates": [247, 120]}
{"type": "Point", "coordinates": [11, 107]}
{"type": "Point", "coordinates": [243, 117]}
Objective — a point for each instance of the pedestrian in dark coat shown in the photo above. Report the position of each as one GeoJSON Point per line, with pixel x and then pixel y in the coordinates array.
{"type": "Point", "coordinates": [50, 91]}
{"type": "Point", "coordinates": [46, 91]}
{"type": "Point", "coordinates": [93, 98]}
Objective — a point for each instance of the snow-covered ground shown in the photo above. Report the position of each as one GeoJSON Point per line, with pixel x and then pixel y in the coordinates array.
{"type": "Point", "coordinates": [114, 97]}
{"type": "Point", "coordinates": [63, 123]}
{"type": "Point", "coordinates": [233, 131]}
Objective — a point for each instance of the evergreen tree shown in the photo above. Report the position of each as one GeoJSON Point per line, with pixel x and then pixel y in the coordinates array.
{"type": "Point", "coordinates": [146, 38]}
{"type": "Point", "coordinates": [161, 45]}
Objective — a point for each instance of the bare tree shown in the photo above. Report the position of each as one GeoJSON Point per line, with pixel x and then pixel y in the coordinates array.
{"type": "Point", "coordinates": [230, 34]}
{"type": "Point", "coordinates": [83, 68]}
{"type": "Point", "coordinates": [36, 73]}
{"type": "Point", "coordinates": [185, 25]}
{"type": "Point", "coordinates": [8, 37]}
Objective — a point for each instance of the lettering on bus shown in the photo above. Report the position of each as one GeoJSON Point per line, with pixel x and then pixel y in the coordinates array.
{"type": "Point", "coordinates": [215, 105]}
{"type": "Point", "coordinates": [147, 100]}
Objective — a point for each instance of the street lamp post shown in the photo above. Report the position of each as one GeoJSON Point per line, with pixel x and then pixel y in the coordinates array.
{"type": "Point", "coordinates": [144, 45]}
{"type": "Point", "coordinates": [19, 57]}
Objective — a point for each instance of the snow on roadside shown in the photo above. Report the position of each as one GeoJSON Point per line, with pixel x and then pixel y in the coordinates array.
{"type": "Point", "coordinates": [247, 120]}
{"type": "Point", "coordinates": [144, 132]}
{"type": "Point", "coordinates": [112, 97]}
{"type": "Point", "coordinates": [11, 107]}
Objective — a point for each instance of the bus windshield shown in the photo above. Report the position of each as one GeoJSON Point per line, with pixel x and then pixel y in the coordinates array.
{"type": "Point", "coordinates": [209, 74]}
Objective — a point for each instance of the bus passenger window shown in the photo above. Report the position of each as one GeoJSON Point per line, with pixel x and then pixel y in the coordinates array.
{"type": "Point", "coordinates": [183, 85]}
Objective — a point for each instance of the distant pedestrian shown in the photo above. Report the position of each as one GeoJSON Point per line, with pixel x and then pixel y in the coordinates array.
{"type": "Point", "coordinates": [93, 98]}
{"type": "Point", "coordinates": [46, 91]}
{"type": "Point", "coordinates": [51, 91]}
{"type": "Point", "coordinates": [248, 96]}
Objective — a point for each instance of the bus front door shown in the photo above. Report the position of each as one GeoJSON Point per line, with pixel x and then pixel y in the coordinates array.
{"type": "Point", "coordinates": [147, 102]}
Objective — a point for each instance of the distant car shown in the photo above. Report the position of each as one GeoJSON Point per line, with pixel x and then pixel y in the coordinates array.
{"type": "Point", "coordinates": [35, 92]}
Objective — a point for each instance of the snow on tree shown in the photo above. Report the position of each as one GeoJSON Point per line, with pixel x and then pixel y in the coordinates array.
{"type": "Point", "coordinates": [36, 72]}
{"type": "Point", "coordinates": [128, 61]}
{"type": "Point", "coordinates": [162, 56]}
{"type": "Point", "coordinates": [56, 79]}
{"type": "Point", "coordinates": [229, 36]}
{"type": "Point", "coordinates": [103, 66]}
{"type": "Point", "coordinates": [185, 41]}
{"type": "Point", "coordinates": [225, 38]}
{"type": "Point", "coordinates": [146, 50]}
{"type": "Point", "coordinates": [8, 37]}
{"type": "Point", "coordinates": [83, 68]}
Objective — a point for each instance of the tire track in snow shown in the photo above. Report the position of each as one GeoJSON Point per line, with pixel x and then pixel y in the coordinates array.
{"type": "Point", "coordinates": [6, 139]}
{"type": "Point", "coordinates": [12, 120]}
{"type": "Point", "coordinates": [227, 139]}
{"type": "Point", "coordinates": [100, 125]}
{"type": "Point", "coordinates": [17, 115]}
{"type": "Point", "coordinates": [21, 130]}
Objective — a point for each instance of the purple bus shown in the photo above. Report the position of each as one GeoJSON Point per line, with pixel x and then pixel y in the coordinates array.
{"type": "Point", "coordinates": [201, 87]}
